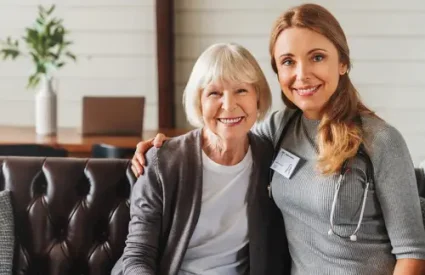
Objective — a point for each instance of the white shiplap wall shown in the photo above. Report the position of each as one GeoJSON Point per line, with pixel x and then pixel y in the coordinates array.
{"type": "Point", "coordinates": [115, 42]}
{"type": "Point", "coordinates": [386, 37]}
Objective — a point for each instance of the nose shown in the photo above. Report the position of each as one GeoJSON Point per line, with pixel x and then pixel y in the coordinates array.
{"type": "Point", "coordinates": [229, 102]}
{"type": "Point", "coordinates": [302, 71]}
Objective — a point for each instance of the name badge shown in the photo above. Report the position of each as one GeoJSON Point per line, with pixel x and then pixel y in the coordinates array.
{"type": "Point", "coordinates": [285, 163]}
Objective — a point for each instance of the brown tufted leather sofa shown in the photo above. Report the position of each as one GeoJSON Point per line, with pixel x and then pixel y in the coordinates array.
{"type": "Point", "coordinates": [71, 215]}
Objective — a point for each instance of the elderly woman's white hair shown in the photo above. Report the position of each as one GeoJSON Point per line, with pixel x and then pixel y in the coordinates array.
{"type": "Point", "coordinates": [224, 62]}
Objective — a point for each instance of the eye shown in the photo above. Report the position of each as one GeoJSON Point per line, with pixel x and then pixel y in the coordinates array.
{"type": "Point", "coordinates": [318, 57]}
{"type": "Point", "coordinates": [213, 93]}
{"type": "Point", "coordinates": [241, 91]}
{"type": "Point", "coordinates": [287, 62]}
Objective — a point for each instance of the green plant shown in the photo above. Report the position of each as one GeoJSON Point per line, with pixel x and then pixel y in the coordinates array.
{"type": "Point", "coordinates": [46, 44]}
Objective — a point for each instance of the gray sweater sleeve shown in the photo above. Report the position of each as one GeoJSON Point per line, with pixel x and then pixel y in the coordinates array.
{"type": "Point", "coordinates": [140, 253]}
{"type": "Point", "coordinates": [397, 193]}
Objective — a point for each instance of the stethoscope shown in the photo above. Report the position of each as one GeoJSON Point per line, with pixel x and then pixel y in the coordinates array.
{"type": "Point", "coordinates": [344, 169]}
{"type": "Point", "coordinates": [369, 182]}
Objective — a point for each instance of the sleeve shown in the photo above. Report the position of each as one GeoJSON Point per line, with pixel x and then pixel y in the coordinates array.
{"type": "Point", "coordinates": [398, 195]}
{"type": "Point", "coordinates": [270, 126]}
{"type": "Point", "coordinates": [141, 250]}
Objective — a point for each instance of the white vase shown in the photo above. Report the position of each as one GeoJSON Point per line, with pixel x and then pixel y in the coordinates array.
{"type": "Point", "coordinates": [46, 108]}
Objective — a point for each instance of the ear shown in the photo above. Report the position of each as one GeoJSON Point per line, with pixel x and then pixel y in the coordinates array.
{"type": "Point", "coordinates": [342, 68]}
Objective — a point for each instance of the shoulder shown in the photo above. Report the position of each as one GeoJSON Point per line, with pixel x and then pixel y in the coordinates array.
{"type": "Point", "coordinates": [386, 146]}
{"type": "Point", "coordinates": [379, 134]}
{"type": "Point", "coordinates": [178, 142]}
{"type": "Point", "coordinates": [176, 145]}
{"type": "Point", "coordinates": [176, 149]}
{"type": "Point", "coordinates": [163, 164]}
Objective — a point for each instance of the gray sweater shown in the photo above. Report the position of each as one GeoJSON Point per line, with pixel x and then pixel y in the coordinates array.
{"type": "Point", "coordinates": [392, 226]}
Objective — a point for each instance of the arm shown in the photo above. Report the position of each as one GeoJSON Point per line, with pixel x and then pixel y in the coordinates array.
{"type": "Point", "coordinates": [141, 251]}
{"type": "Point", "coordinates": [266, 129]}
{"type": "Point", "coordinates": [409, 267]}
{"type": "Point", "coordinates": [269, 126]}
{"type": "Point", "coordinates": [398, 196]}
{"type": "Point", "coordinates": [272, 127]}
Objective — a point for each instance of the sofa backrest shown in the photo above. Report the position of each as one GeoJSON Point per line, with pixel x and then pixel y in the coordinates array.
{"type": "Point", "coordinates": [71, 215]}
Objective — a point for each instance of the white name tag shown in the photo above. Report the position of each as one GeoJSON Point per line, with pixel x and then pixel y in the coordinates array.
{"type": "Point", "coordinates": [285, 163]}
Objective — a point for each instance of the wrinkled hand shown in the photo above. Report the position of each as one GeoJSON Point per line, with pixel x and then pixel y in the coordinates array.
{"type": "Point", "coordinates": [138, 160]}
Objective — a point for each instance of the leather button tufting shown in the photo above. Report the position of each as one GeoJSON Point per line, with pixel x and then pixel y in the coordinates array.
{"type": "Point", "coordinates": [62, 233]}
{"type": "Point", "coordinates": [103, 237]}
{"type": "Point", "coordinates": [43, 187]}
{"type": "Point", "coordinates": [69, 213]}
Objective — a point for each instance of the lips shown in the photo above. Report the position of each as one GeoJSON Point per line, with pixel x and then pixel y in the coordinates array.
{"type": "Point", "coordinates": [307, 91]}
{"type": "Point", "coordinates": [230, 121]}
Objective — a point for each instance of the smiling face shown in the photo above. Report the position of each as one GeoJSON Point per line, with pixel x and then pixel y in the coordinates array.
{"type": "Point", "coordinates": [308, 69]}
{"type": "Point", "coordinates": [229, 110]}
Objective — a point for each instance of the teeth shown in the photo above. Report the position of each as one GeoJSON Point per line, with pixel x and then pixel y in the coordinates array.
{"type": "Point", "coordinates": [230, 120]}
{"type": "Point", "coordinates": [306, 91]}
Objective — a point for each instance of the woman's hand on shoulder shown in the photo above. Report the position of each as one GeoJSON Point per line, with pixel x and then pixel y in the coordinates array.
{"type": "Point", "coordinates": [139, 160]}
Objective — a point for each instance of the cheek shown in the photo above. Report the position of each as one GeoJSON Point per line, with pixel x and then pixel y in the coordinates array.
{"type": "Point", "coordinates": [331, 82]}
{"type": "Point", "coordinates": [251, 102]}
{"type": "Point", "coordinates": [329, 74]}
{"type": "Point", "coordinates": [250, 107]}
{"type": "Point", "coordinates": [285, 82]}
{"type": "Point", "coordinates": [207, 109]}
{"type": "Point", "coordinates": [284, 79]}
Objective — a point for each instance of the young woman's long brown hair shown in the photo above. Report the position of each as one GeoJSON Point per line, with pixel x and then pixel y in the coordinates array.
{"type": "Point", "coordinates": [339, 135]}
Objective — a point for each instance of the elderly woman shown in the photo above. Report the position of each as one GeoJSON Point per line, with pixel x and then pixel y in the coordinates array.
{"type": "Point", "coordinates": [202, 206]}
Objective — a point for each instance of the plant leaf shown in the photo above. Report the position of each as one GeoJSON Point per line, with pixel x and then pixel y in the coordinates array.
{"type": "Point", "coordinates": [6, 53]}
{"type": "Point", "coordinates": [41, 68]}
{"type": "Point", "coordinates": [71, 55]}
{"type": "Point", "coordinates": [33, 80]}
{"type": "Point", "coordinates": [9, 49]}
{"type": "Point", "coordinates": [40, 21]}
{"type": "Point", "coordinates": [41, 12]}
{"type": "Point", "coordinates": [53, 55]}
{"type": "Point", "coordinates": [52, 8]}
{"type": "Point", "coordinates": [47, 42]}
{"type": "Point", "coordinates": [35, 57]}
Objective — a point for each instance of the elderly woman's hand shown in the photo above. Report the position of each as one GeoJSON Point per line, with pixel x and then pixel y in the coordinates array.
{"type": "Point", "coordinates": [138, 160]}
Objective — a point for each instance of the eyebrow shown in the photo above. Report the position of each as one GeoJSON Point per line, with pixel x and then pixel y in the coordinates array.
{"type": "Point", "coordinates": [309, 52]}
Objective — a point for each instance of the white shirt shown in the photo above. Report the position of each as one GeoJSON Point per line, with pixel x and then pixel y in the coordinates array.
{"type": "Point", "coordinates": [219, 244]}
